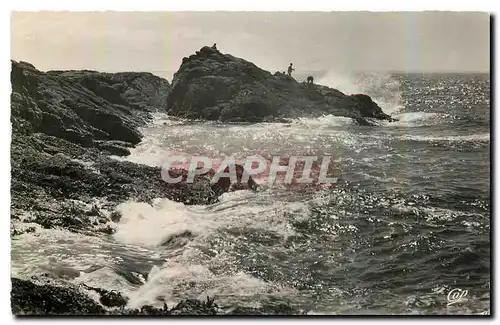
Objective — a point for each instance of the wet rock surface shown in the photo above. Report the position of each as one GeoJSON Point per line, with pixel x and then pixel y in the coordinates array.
{"type": "Point", "coordinates": [65, 124]}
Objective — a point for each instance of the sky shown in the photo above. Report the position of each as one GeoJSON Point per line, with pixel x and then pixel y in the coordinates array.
{"type": "Point", "coordinates": [343, 41]}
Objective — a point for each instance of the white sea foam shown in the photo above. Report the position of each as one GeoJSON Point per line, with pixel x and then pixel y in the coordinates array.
{"type": "Point", "coordinates": [385, 90]}
{"type": "Point", "coordinates": [189, 280]}
{"type": "Point", "coordinates": [106, 278]}
{"type": "Point", "coordinates": [415, 119]}
{"type": "Point", "coordinates": [151, 225]}
{"type": "Point", "coordinates": [325, 121]}
{"type": "Point", "coordinates": [189, 271]}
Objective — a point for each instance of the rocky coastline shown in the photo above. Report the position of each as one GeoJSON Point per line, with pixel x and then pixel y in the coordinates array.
{"type": "Point", "coordinates": [66, 124]}
{"type": "Point", "coordinates": [211, 85]}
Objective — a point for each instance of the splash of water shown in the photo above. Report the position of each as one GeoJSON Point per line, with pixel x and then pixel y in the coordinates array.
{"type": "Point", "coordinates": [382, 87]}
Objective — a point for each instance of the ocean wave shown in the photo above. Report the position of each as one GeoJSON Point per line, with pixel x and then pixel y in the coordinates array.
{"type": "Point", "coordinates": [411, 119]}
{"type": "Point", "coordinates": [416, 119]}
{"type": "Point", "coordinates": [483, 137]}
{"type": "Point", "coordinates": [163, 119]}
{"type": "Point", "coordinates": [382, 87]}
{"type": "Point", "coordinates": [383, 179]}
{"type": "Point", "coordinates": [153, 225]}
{"type": "Point", "coordinates": [191, 280]}
{"type": "Point", "coordinates": [196, 268]}
{"type": "Point", "coordinates": [63, 253]}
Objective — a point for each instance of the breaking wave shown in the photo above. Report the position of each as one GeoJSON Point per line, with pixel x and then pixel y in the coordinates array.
{"type": "Point", "coordinates": [382, 87]}
{"type": "Point", "coordinates": [193, 268]}
{"type": "Point", "coordinates": [157, 224]}
{"type": "Point", "coordinates": [325, 121]}
{"type": "Point", "coordinates": [483, 137]}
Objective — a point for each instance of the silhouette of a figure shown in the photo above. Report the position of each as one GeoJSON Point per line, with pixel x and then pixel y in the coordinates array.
{"type": "Point", "coordinates": [214, 46]}
{"type": "Point", "coordinates": [290, 69]}
{"type": "Point", "coordinates": [310, 80]}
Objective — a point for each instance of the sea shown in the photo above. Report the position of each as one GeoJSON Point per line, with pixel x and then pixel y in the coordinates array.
{"type": "Point", "coordinates": [406, 230]}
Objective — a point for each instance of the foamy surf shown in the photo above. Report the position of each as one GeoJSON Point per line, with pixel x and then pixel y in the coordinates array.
{"type": "Point", "coordinates": [314, 249]}
{"type": "Point", "coordinates": [153, 225]}
{"type": "Point", "coordinates": [183, 280]}
{"type": "Point", "coordinates": [326, 121]}
{"type": "Point", "coordinates": [64, 254]}
{"type": "Point", "coordinates": [163, 119]}
{"type": "Point", "coordinates": [412, 119]}
{"type": "Point", "coordinates": [194, 269]}
{"type": "Point", "coordinates": [382, 87]}
{"type": "Point", "coordinates": [416, 119]}
{"type": "Point", "coordinates": [151, 150]}
{"type": "Point", "coordinates": [484, 137]}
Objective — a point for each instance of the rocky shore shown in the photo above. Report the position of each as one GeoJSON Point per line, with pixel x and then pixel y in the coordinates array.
{"type": "Point", "coordinates": [66, 124]}
{"type": "Point", "coordinates": [30, 298]}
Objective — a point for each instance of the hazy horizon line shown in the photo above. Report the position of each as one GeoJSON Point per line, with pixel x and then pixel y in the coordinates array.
{"type": "Point", "coordinates": [163, 73]}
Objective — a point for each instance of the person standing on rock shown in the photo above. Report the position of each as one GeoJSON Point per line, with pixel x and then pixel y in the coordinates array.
{"type": "Point", "coordinates": [290, 69]}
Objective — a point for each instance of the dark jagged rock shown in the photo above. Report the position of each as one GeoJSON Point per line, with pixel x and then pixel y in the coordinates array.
{"type": "Point", "coordinates": [117, 148]}
{"type": "Point", "coordinates": [106, 230]}
{"type": "Point", "coordinates": [195, 307]}
{"type": "Point", "coordinates": [140, 90]}
{"type": "Point", "coordinates": [62, 124]}
{"type": "Point", "coordinates": [215, 86]}
{"type": "Point", "coordinates": [83, 106]}
{"type": "Point", "coordinates": [30, 299]}
{"type": "Point", "coordinates": [109, 298]}
{"type": "Point", "coordinates": [113, 299]}
{"type": "Point", "coordinates": [16, 232]}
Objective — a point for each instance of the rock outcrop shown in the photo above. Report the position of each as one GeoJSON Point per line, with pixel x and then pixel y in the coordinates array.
{"type": "Point", "coordinates": [215, 86]}
{"type": "Point", "coordinates": [84, 106]}
{"type": "Point", "coordinates": [218, 186]}
{"type": "Point", "coordinates": [64, 126]}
